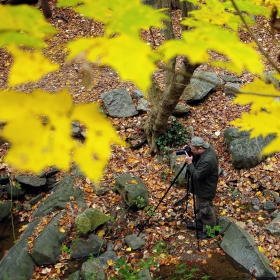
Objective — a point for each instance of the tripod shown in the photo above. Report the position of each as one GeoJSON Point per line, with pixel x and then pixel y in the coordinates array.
{"type": "Point", "coordinates": [143, 225]}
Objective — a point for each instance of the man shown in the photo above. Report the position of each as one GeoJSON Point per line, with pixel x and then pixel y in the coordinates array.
{"type": "Point", "coordinates": [204, 177]}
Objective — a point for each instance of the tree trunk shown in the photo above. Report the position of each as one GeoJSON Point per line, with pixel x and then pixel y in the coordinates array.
{"type": "Point", "coordinates": [41, 3]}
{"type": "Point", "coordinates": [164, 102]}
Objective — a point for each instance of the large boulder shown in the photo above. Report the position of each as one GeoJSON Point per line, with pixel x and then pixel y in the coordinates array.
{"type": "Point", "coordinates": [5, 209]}
{"type": "Point", "coordinates": [81, 248]}
{"type": "Point", "coordinates": [17, 264]}
{"type": "Point", "coordinates": [274, 226]}
{"type": "Point", "coordinates": [119, 103]}
{"type": "Point", "coordinates": [200, 85]}
{"type": "Point", "coordinates": [241, 246]}
{"type": "Point", "coordinates": [47, 247]}
{"type": "Point", "coordinates": [245, 152]}
{"type": "Point", "coordinates": [89, 220]}
{"type": "Point", "coordinates": [64, 190]}
{"type": "Point", "coordinates": [92, 269]}
{"type": "Point", "coordinates": [133, 190]}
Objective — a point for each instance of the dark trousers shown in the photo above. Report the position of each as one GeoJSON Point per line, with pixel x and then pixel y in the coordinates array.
{"type": "Point", "coordinates": [205, 214]}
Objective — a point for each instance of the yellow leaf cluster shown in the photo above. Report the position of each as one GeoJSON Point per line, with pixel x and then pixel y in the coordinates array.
{"type": "Point", "coordinates": [40, 132]}
{"type": "Point", "coordinates": [29, 66]}
{"type": "Point", "coordinates": [114, 52]}
{"type": "Point", "coordinates": [265, 112]}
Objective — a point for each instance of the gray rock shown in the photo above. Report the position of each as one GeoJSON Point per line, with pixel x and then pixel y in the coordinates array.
{"type": "Point", "coordinates": [131, 189]}
{"type": "Point", "coordinates": [224, 222]}
{"type": "Point", "coordinates": [17, 263]}
{"type": "Point", "coordinates": [15, 192]}
{"type": "Point", "coordinates": [144, 274]}
{"type": "Point", "coordinates": [274, 226]}
{"type": "Point", "coordinates": [271, 79]}
{"type": "Point", "coordinates": [137, 94]}
{"type": "Point", "coordinates": [240, 245]}
{"type": "Point", "coordinates": [75, 171]}
{"type": "Point", "coordinates": [182, 180]}
{"type": "Point", "coordinates": [228, 78]}
{"type": "Point", "coordinates": [35, 199]}
{"type": "Point", "coordinates": [134, 241]}
{"type": "Point", "coordinates": [32, 181]}
{"type": "Point", "coordinates": [5, 209]}
{"type": "Point", "coordinates": [119, 103]}
{"type": "Point", "coordinates": [81, 248]}
{"type": "Point", "coordinates": [273, 194]}
{"type": "Point", "coordinates": [109, 255]}
{"type": "Point", "coordinates": [74, 276]}
{"type": "Point", "coordinates": [143, 105]}
{"type": "Point", "coordinates": [76, 131]}
{"type": "Point", "coordinates": [181, 109]}
{"type": "Point", "coordinates": [231, 89]}
{"type": "Point", "coordinates": [47, 247]}
{"type": "Point", "coordinates": [269, 206]}
{"type": "Point", "coordinates": [200, 85]}
{"type": "Point", "coordinates": [245, 152]}
{"type": "Point", "coordinates": [92, 269]}
{"type": "Point", "coordinates": [89, 220]}
{"type": "Point", "coordinates": [63, 190]}
{"type": "Point", "coordinates": [27, 207]}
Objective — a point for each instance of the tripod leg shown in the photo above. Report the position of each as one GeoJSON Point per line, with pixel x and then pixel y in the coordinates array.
{"type": "Point", "coordinates": [195, 219]}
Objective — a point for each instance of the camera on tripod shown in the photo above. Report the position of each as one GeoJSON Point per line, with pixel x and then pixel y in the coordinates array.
{"type": "Point", "coordinates": [182, 152]}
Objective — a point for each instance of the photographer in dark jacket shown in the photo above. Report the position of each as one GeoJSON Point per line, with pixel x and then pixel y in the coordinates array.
{"type": "Point", "coordinates": [204, 176]}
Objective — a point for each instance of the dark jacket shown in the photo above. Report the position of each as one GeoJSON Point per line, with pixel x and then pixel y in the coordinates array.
{"type": "Point", "coordinates": [204, 174]}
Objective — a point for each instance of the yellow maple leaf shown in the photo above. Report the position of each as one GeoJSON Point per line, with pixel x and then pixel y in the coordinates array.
{"type": "Point", "coordinates": [23, 228]}
{"type": "Point", "coordinates": [40, 135]}
{"type": "Point", "coordinates": [261, 249]}
{"type": "Point", "coordinates": [114, 52]}
{"type": "Point", "coordinates": [110, 262]}
{"type": "Point", "coordinates": [259, 93]}
{"type": "Point", "coordinates": [28, 66]}
{"type": "Point", "coordinates": [93, 155]}
{"type": "Point", "coordinates": [40, 132]}
{"type": "Point", "coordinates": [101, 233]}
{"type": "Point", "coordinates": [62, 229]}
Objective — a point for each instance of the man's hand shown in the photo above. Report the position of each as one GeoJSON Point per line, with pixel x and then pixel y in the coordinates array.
{"type": "Point", "coordinates": [188, 158]}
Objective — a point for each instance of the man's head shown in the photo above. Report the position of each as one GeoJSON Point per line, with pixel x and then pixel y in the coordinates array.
{"type": "Point", "coordinates": [198, 145]}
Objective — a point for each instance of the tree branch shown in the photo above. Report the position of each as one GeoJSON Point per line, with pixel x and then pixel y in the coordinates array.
{"type": "Point", "coordinates": [267, 56]}
{"type": "Point", "coordinates": [234, 91]}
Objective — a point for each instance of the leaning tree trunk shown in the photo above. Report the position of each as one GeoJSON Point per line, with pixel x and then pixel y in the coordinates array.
{"type": "Point", "coordinates": [164, 102]}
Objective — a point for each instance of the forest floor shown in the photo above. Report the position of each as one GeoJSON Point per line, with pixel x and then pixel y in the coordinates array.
{"type": "Point", "coordinates": [209, 119]}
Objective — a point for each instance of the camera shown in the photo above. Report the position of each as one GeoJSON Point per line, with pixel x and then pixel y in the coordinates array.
{"type": "Point", "coordinates": [182, 152]}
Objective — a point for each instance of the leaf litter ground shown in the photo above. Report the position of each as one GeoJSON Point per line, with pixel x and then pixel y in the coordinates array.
{"type": "Point", "coordinates": [209, 119]}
